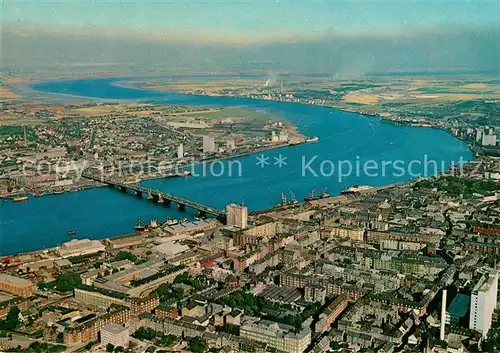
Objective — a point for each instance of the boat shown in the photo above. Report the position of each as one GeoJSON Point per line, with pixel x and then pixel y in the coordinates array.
{"type": "Point", "coordinates": [72, 232]}
{"type": "Point", "coordinates": [294, 143]}
{"type": "Point", "coordinates": [312, 196]}
{"type": "Point", "coordinates": [58, 192]}
{"type": "Point", "coordinates": [356, 189]}
{"type": "Point", "coordinates": [313, 139]}
{"type": "Point", "coordinates": [324, 194]}
{"type": "Point", "coordinates": [20, 198]}
{"type": "Point", "coordinates": [283, 202]}
{"type": "Point", "coordinates": [140, 227]}
{"type": "Point", "coordinates": [391, 143]}
{"type": "Point", "coordinates": [153, 224]}
{"type": "Point", "coordinates": [171, 222]}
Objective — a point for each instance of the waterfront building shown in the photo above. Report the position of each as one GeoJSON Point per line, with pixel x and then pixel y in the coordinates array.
{"type": "Point", "coordinates": [230, 145]}
{"type": "Point", "coordinates": [78, 247]}
{"type": "Point", "coordinates": [188, 228]}
{"type": "Point", "coordinates": [125, 241]}
{"type": "Point", "coordinates": [208, 144]}
{"type": "Point", "coordinates": [483, 302]}
{"type": "Point", "coordinates": [17, 286]}
{"type": "Point", "coordinates": [180, 151]}
{"type": "Point", "coordinates": [489, 140]}
{"type": "Point", "coordinates": [237, 215]}
{"type": "Point", "coordinates": [277, 335]}
{"type": "Point", "coordinates": [115, 334]}
{"type": "Point", "coordinates": [479, 134]}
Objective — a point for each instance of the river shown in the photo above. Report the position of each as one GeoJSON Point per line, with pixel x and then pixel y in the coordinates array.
{"type": "Point", "coordinates": [351, 138]}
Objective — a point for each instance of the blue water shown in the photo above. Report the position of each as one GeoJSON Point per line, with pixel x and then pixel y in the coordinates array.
{"type": "Point", "coordinates": [352, 138]}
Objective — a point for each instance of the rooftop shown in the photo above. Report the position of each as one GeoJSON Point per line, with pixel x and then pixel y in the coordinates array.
{"type": "Point", "coordinates": [15, 280]}
{"type": "Point", "coordinates": [459, 305]}
{"type": "Point", "coordinates": [115, 328]}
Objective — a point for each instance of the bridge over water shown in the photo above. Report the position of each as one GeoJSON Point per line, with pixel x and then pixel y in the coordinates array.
{"type": "Point", "coordinates": [159, 196]}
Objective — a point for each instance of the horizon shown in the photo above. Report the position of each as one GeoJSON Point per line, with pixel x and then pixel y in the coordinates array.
{"type": "Point", "coordinates": [345, 39]}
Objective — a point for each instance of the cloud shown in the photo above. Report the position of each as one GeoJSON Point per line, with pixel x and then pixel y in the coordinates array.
{"type": "Point", "coordinates": [341, 54]}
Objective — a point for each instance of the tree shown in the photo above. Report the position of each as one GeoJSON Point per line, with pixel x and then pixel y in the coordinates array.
{"type": "Point", "coordinates": [12, 319]}
{"type": "Point", "coordinates": [109, 347]}
{"type": "Point", "coordinates": [144, 333]}
{"type": "Point", "coordinates": [197, 345]}
{"type": "Point", "coordinates": [125, 255]}
{"type": "Point", "coordinates": [67, 281]}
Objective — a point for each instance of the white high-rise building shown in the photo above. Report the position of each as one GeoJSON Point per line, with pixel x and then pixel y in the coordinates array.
{"type": "Point", "coordinates": [483, 302]}
{"type": "Point", "coordinates": [230, 145]}
{"type": "Point", "coordinates": [237, 215]}
{"type": "Point", "coordinates": [479, 134]}
{"type": "Point", "coordinates": [489, 139]}
{"type": "Point", "coordinates": [208, 144]}
{"type": "Point", "coordinates": [116, 334]}
{"type": "Point", "coordinates": [180, 151]}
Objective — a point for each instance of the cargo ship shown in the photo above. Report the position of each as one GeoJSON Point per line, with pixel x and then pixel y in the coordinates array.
{"type": "Point", "coordinates": [285, 202]}
{"type": "Point", "coordinates": [20, 198]}
{"type": "Point", "coordinates": [140, 227]}
{"type": "Point", "coordinates": [171, 222]}
{"type": "Point", "coordinates": [356, 189]}
{"type": "Point", "coordinates": [312, 195]}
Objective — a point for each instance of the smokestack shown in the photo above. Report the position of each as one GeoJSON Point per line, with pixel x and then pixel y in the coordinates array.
{"type": "Point", "coordinates": [443, 315]}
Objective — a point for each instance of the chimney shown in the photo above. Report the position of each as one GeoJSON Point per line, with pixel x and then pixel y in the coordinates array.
{"type": "Point", "coordinates": [443, 315]}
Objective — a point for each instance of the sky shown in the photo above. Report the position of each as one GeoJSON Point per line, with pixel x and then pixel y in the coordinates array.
{"type": "Point", "coordinates": [249, 27]}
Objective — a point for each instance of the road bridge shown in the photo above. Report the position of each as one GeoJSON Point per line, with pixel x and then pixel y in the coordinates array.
{"type": "Point", "coordinates": [159, 196]}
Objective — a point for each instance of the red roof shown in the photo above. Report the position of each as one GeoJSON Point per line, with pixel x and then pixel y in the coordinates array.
{"type": "Point", "coordinates": [487, 230]}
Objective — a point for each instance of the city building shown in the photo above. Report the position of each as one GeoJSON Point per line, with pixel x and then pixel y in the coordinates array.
{"type": "Point", "coordinates": [89, 329]}
{"type": "Point", "coordinates": [237, 215]}
{"type": "Point", "coordinates": [230, 145]}
{"type": "Point", "coordinates": [458, 309]}
{"type": "Point", "coordinates": [78, 247]}
{"type": "Point", "coordinates": [315, 293]}
{"type": "Point", "coordinates": [483, 303]}
{"type": "Point", "coordinates": [331, 313]}
{"type": "Point", "coordinates": [277, 335]}
{"type": "Point", "coordinates": [115, 334]}
{"type": "Point", "coordinates": [16, 286]}
{"type": "Point", "coordinates": [180, 151]}
{"type": "Point", "coordinates": [489, 140]}
{"type": "Point", "coordinates": [208, 144]}
{"type": "Point", "coordinates": [479, 134]}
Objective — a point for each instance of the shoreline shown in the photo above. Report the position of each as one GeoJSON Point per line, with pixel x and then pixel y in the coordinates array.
{"type": "Point", "coordinates": [343, 109]}
{"type": "Point", "coordinates": [121, 81]}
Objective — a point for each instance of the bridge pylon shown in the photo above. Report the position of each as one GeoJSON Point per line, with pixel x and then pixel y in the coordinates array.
{"type": "Point", "coordinates": [160, 198]}
{"type": "Point", "coordinates": [150, 196]}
